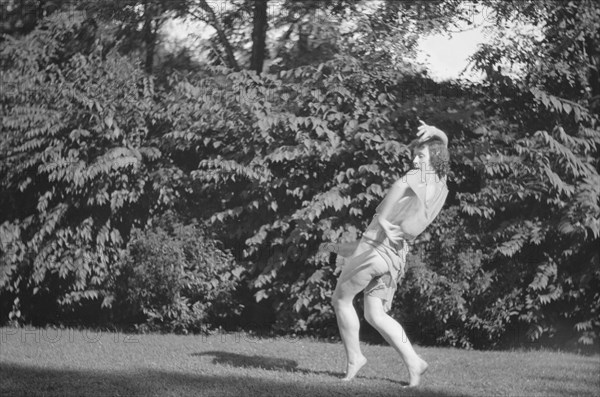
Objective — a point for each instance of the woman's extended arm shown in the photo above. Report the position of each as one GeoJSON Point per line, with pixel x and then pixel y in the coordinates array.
{"type": "Point", "coordinates": [342, 249]}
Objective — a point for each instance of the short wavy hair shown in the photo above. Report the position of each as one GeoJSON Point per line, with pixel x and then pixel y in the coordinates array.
{"type": "Point", "coordinates": [439, 156]}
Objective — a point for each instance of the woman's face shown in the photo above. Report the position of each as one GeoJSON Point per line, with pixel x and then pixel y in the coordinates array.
{"type": "Point", "coordinates": [421, 159]}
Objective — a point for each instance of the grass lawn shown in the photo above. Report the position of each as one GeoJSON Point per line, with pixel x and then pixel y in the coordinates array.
{"type": "Point", "coordinates": [68, 362]}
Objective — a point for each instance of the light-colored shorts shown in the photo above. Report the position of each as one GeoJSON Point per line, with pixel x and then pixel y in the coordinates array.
{"type": "Point", "coordinates": [385, 264]}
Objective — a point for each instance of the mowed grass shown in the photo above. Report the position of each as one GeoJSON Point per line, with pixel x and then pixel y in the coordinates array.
{"type": "Point", "coordinates": [78, 363]}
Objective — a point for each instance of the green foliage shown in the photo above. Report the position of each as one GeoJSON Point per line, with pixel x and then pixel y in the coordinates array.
{"type": "Point", "coordinates": [174, 279]}
{"type": "Point", "coordinates": [21, 17]}
{"type": "Point", "coordinates": [76, 172]}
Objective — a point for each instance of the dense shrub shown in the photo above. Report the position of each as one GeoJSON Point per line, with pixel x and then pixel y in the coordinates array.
{"type": "Point", "coordinates": [174, 278]}
{"type": "Point", "coordinates": [76, 169]}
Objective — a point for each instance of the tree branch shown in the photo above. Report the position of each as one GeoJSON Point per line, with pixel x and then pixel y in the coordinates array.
{"type": "Point", "coordinates": [213, 21]}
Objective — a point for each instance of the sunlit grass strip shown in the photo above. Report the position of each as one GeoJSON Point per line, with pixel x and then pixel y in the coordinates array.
{"type": "Point", "coordinates": [74, 363]}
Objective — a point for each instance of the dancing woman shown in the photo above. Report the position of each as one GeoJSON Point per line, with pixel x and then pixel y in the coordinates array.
{"type": "Point", "coordinates": [376, 264]}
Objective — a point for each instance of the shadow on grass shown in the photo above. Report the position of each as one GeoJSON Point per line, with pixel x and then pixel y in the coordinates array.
{"type": "Point", "coordinates": [27, 380]}
{"type": "Point", "coordinates": [268, 363]}
{"type": "Point", "coordinates": [276, 364]}
{"type": "Point", "coordinates": [242, 361]}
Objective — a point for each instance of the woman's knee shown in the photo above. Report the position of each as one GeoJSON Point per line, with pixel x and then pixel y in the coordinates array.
{"type": "Point", "coordinates": [340, 299]}
{"type": "Point", "coordinates": [374, 314]}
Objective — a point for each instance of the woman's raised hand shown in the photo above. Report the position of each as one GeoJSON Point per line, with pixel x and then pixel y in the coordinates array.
{"type": "Point", "coordinates": [426, 131]}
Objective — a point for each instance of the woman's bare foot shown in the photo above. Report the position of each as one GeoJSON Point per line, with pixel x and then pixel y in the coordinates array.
{"type": "Point", "coordinates": [353, 368]}
{"type": "Point", "coordinates": [416, 371]}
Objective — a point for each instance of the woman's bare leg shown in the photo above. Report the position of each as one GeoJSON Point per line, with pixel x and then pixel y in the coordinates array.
{"type": "Point", "coordinates": [394, 334]}
{"type": "Point", "coordinates": [349, 326]}
{"type": "Point", "coordinates": [351, 282]}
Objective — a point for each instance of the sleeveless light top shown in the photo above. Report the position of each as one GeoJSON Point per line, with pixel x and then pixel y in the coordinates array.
{"type": "Point", "coordinates": [412, 212]}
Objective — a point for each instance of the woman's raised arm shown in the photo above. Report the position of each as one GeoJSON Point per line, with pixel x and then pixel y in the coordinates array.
{"type": "Point", "coordinates": [426, 131]}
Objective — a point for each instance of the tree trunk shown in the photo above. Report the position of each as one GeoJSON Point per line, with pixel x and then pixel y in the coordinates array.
{"type": "Point", "coordinates": [149, 38]}
{"type": "Point", "coordinates": [259, 34]}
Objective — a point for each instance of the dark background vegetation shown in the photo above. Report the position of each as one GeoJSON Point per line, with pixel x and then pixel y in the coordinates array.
{"type": "Point", "coordinates": [144, 187]}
